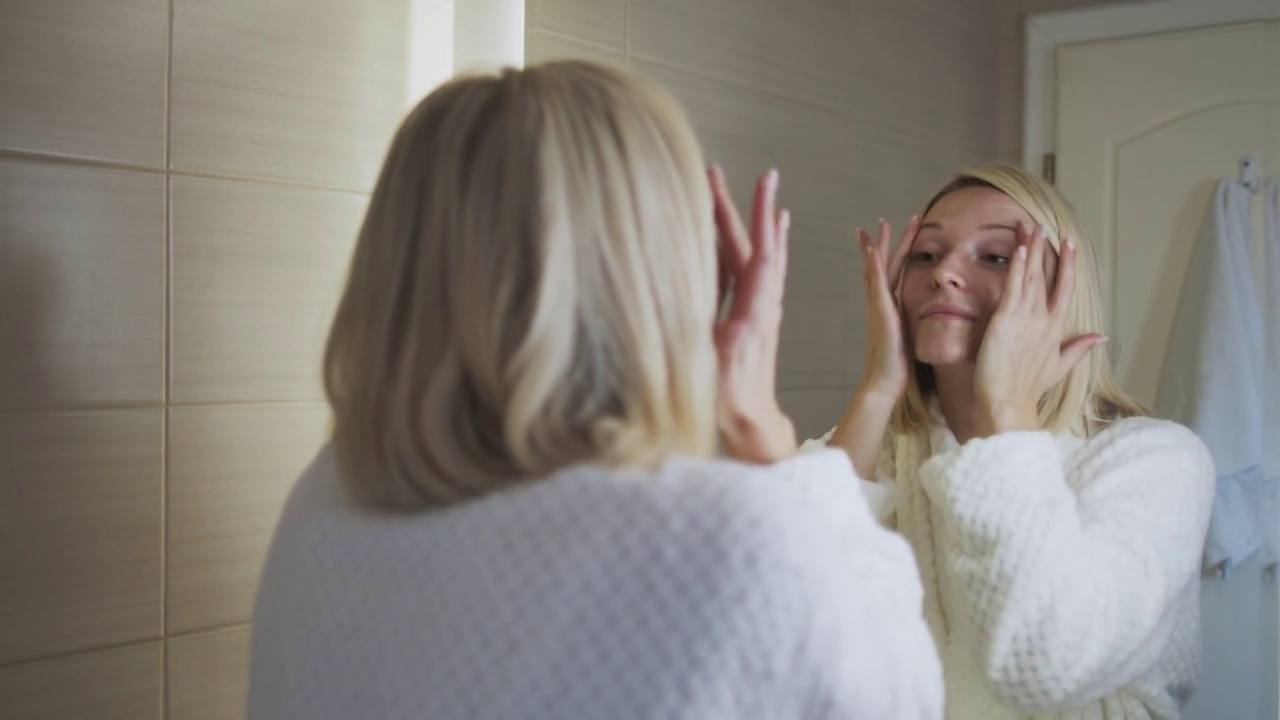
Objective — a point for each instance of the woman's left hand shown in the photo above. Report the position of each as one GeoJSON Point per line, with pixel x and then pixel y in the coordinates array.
{"type": "Point", "coordinates": [1025, 351]}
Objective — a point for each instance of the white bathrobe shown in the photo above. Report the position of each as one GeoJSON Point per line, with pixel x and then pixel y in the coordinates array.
{"type": "Point", "coordinates": [698, 589]}
{"type": "Point", "coordinates": [1061, 574]}
{"type": "Point", "coordinates": [1212, 379]}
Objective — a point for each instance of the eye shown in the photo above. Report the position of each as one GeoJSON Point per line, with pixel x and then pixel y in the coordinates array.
{"type": "Point", "coordinates": [995, 259]}
{"type": "Point", "coordinates": [922, 257]}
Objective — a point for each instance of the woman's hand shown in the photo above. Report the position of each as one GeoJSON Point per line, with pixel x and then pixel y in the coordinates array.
{"type": "Point", "coordinates": [884, 371]}
{"type": "Point", "coordinates": [753, 266]}
{"type": "Point", "coordinates": [1025, 351]}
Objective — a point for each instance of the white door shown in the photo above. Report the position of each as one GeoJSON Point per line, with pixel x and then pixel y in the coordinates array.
{"type": "Point", "coordinates": [1145, 128]}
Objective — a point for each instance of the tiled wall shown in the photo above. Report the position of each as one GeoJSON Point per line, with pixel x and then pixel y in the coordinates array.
{"type": "Point", "coordinates": [180, 182]}
{"type": "Point", "coordinates": [865, 105]}
{"type": "Point", "coordinates": [180, 185]}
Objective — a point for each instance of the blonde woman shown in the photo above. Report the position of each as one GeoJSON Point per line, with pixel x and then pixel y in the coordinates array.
{"type": "Point", "coordinates": [519, 514]}
{"type": "Point", "coordinates": [1057, 528]}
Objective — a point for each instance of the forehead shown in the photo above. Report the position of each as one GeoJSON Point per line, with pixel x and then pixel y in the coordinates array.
{"type": "Point", "coordinates": [974, 207]}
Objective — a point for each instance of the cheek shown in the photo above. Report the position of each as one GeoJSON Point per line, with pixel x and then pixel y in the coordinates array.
{"type": "Point", "coordinates": [914, 293]}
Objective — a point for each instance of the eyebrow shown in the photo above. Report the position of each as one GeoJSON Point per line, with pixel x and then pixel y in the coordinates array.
{"type": "Point", "coordinates": [988, 226]}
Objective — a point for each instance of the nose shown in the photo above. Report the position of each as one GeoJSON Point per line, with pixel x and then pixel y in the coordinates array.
{"type": "Point", "coordinates": [948, 273]}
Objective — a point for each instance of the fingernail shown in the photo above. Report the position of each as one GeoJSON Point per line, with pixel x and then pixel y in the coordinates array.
{"type": "Point", "coordinates": [773, 178]}
{"type": "Point", "coordinates": [786, 220]}
{"type": "Point", "coordinates": [1021, 251]}
{"type": "Point", "coordinates": [1044, 231]}
{"type": "Point", "coordinates": [1071, 242]}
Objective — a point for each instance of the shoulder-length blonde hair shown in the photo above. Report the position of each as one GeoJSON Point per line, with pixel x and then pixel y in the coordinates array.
{"type": "Point", "coordinates": [1089, 397]}
{"type": "Point", "coordinates": [534, 286]}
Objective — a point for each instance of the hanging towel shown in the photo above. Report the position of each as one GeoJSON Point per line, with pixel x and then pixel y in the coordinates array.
{"type": "Point", "coordinates": [1211, 378]}
{"type": "Point", "coordinates": [1268, 506]}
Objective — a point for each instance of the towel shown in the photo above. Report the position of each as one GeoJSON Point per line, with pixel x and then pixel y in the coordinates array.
{"type": "Point", "coordinates": [1212, 374]}
{"type": "Point", "coordinates": [1268, 505]}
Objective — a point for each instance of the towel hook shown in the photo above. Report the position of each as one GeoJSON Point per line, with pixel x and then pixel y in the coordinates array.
{"type": "Point", "coordinates": [1249, 173]}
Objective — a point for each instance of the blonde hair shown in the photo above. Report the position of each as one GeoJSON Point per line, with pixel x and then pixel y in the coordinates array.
{"type": "Point", "coordinates": [534, 286]}
{"type": "Point", "coordinates": [1089, 397]}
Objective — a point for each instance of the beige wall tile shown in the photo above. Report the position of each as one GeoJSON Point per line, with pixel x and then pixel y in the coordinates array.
{"type": "Point", "coordinates": [81, 286]}
{"type": "Point", "coordinates": [284, 89]}
{"type": "Point", "coordinates": [797, 50]}
{"type": "Point", "coordinates": [85, 78]}
{"type": "Point", "coordinates": [816, 332]}
{"type": "Point", "coordinates": [80, 564]}
{"type": "Point", "coordinates": [1009, 19]}
{"type": "Point", "coordinates": [1031, 7]}
{"type": "Point", "coordinates": [892, 175]}
{"type": "Point", "coordinates": [230, 470]}
{"type": "Point", "coordinates": [941, 85]}
{"type": "Point", "coordinates": [603, 22]}
{"type": "Point", "coordinates": [431, 45]}
{"type": "Point", "coordinates": [747, 132]}
{"type": "Point", "coordinates": [814, 411]}
{"type": "Point", "coordinates": [209, 675]}
{"type": "Point", "coordinates": [541, 46]}
{"type": "Point", "coordinates": [122, 683]}
{"type": "Point", "coordinates": [257, 271]}
{"type": "Point", "coordinates": [1010, 100]}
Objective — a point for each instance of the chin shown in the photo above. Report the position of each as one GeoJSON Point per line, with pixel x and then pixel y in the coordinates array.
{"type": "Point", "coordinates": [945, 359]}
{"type": "Point", "coordinates": [946, 350]}
{"type": "Point", "coordinates": [944, 353]}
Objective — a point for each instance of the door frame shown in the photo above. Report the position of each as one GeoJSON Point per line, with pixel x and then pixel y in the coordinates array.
{"type": "Point", "coordinates": [1045, 32]}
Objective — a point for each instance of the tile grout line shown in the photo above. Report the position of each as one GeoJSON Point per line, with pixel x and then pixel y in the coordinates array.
{"type": "Point", "coordinates": [123, 644]}
{"type": "Point", "coordinates": [8, 154]}
{"type": "Point", "coordinates": [161, 405]}
{"type": "Point", "coordinates": [167, 372]}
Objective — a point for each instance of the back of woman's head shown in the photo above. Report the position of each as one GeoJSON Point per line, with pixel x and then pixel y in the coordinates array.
{"type": "Point", "coordinates": [534, 286]}
{"type": "Point", "coordinates": [1089, 397]}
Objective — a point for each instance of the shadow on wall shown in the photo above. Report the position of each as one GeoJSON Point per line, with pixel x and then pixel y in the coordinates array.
{"type": "Point", "coordinates": [28, 292]}
{"type": "Point", "coordinates": [1151, 348]}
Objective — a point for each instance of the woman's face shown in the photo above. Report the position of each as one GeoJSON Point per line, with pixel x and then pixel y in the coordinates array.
{"type": "Point", "coordinates": [955, 273]}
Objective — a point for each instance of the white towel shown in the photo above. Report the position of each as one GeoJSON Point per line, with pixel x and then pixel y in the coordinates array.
{"type": "Point", "coordinates": [1212, 379]}
{"type": "Point", "coordinates": [1268, 504]}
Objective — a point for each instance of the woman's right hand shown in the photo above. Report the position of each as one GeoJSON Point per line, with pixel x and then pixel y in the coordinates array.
{"type": "Point", "coordinates": [753, 427]}
{"type": "Point", "coordinates": [884, 371]}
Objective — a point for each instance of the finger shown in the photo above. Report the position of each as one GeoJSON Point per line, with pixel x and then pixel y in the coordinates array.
{"type": "Point", "coordinates": [1014, 283]}
{"type": "Point", "coordinates": [758, 293]}
{"type": "Point", "coordinates": [1034, 279]}
{"type": "Point", "coordinates": [1064, 288]}
{"type": "Point", "coordinates": [886, 238]}
{"type": "Point", "coordinates": [1074, 350]}
{"type": "Point", "coordinates": [872, 262]}
{"type": "Point", "coordinates": [900, 253]}
{"type": "Point", "coordinates": [736, 244]}
{"type": "Point", "coordinates": [764, 215]}
{"type": "Point", "coordinates": [864, 240]}
{"type": "Point", "coordinates": [782, 256]}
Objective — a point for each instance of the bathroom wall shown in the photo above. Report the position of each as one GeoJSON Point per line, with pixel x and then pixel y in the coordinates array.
{"type": "Point", "coordinates": [866, 106]}
{"type": "Point", "coordinates": [180, 185]}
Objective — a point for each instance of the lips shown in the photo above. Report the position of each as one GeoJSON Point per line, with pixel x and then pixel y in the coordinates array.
{"type": "Point", "coordinates": [945, 311]}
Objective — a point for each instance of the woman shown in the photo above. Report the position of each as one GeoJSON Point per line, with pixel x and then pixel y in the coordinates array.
{"type": "Point", "coordinates": [1057, 529]}
{"type": "Point", "coordinates": [519, 514]}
